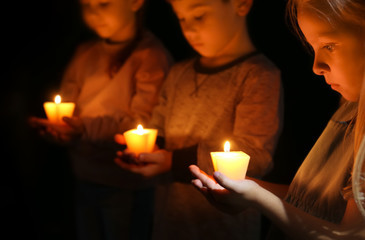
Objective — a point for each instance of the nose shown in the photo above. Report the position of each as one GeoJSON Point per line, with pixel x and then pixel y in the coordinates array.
{"type": "Point", "coordinates": [188, 28]}
{"type": "Point", "coordinates": [91, 16]}
{"type": "Point", "coordinates": [319, 65]}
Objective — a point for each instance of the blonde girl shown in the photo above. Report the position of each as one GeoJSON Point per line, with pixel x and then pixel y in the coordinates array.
{"type": "Point", "coordinates": [319, 203]}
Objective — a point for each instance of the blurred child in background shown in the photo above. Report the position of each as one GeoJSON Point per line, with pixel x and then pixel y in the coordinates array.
{"type": "Point", "coordinates": [114, 82]}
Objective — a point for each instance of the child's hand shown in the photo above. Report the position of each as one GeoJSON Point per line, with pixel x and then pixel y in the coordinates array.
{"type": "Point", "coordinates": [146, 164]}
{"type": "Point", "coordinates": [225, 194]}
{"type": "Point", "coordinates": [119, 138]}
{"type": "Point", "coordinates": [45, 128]}
{"type": "Point", "coordinates": [59, 133]}
{"type": "Point", "coordinates": [74, 129]}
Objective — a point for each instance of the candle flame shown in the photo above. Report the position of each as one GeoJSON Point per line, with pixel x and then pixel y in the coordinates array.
{"type": "Point", "coordinates": [57, 99]}
{"type": "Point", "coordinates": [139, 129]}
{"type": "Point", "coordinates": [227, 146]}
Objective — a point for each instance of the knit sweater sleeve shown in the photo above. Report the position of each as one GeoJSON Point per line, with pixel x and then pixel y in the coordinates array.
{"type": "Point", "coordinates": [258, 118]}
{"type": "Point", "coordinates": [150, 74]}
{"type": "Point", "coordinates": [161, 110]}
{"type": "Point", "coordinates": [181, 158]}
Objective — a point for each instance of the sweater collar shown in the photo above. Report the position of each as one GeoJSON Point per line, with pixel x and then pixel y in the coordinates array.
{"type": "Point", "coordinates": [212, 70]}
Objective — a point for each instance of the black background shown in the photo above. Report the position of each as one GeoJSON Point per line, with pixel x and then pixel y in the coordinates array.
{"type": "Point", "coordinates": [38, 40]}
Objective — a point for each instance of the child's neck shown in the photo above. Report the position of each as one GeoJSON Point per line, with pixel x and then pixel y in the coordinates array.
{"type": "Point", "coordinates": [126, 35]}
{"type": "Point", "coordinates": [239, 46]}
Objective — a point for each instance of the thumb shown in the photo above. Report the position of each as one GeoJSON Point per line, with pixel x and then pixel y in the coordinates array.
{"type": "Point", "coordinates": [226, 182]}
{"type": "Point", "coordinates": [70, 121]}
{"type": "Point", "coordinates": [149, 158]}
{"type": "Point", "coordinates": [155, 157]}
{"type": "Point", "coordinates": [119, 138]}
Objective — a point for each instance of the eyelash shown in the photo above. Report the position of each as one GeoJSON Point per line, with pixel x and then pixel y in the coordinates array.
{"type": "Point", "coordinates": [199, 18]}
{"type": "Point", "coordinates": [196, 18]}
{"type": "Point", "coordinates": [104, 4]}
{"type": "Point", "coordinates": [330, 47]}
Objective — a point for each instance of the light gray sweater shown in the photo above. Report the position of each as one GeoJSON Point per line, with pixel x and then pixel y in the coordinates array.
{"type": "Point", "coordinates": [202, 108]}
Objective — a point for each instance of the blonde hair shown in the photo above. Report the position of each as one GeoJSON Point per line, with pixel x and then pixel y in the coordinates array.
{"type": "Point", "coordinates": [348, 13]}
{"type": "Point", "coordinates": [360, 122]}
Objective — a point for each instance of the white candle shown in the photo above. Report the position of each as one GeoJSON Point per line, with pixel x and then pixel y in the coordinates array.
{"type": "Point", "coordinates": [140, 140]}
{"type": "Point", "coordinates": [232, 164]}
{"type": "Point", "coordinates": [56, 110]}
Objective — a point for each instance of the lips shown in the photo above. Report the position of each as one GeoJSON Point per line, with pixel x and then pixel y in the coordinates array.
{"type": "Point", "coordinates": [195, 45]}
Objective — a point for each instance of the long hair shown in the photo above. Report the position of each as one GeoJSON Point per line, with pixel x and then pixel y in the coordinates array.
{"type": "Point", "coordinates": [348, 13]}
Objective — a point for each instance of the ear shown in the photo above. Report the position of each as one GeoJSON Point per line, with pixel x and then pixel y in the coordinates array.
{"type": "Point", "coordinates": [136, 4]}
{"type": "Point", "coordinates": [243, 7]}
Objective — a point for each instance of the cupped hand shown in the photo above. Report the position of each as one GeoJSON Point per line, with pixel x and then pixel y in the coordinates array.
{"type": "Point", "coordinates": [227, 195]}
{"type": "Point", "coordinates": [70, 130]}
{"type": "Point", "coordinates": [146, 164]}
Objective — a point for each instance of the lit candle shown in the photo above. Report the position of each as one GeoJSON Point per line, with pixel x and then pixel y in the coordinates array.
{"type": "Point", "coordinates": [140, 140]}
{"type": "Point", "coordinates": [232, 164]}
{"type": "Point", "coordinates": [56, 110]}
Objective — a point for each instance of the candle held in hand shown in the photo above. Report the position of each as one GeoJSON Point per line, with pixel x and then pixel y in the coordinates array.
{"type": "Point", "coordinates": [232, 164]}
{"type": "Point", "coordinates": [140, 140]}
{"type": "Point", "coordinates": [56, 110]}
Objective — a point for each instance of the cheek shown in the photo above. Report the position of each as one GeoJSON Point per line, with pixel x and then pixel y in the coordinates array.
{"type": "Point", "coordinates": [86, 17]}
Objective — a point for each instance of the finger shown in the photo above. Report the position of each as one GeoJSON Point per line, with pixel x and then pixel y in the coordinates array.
{"type": "Point", "coordinates": [226, 182]}
{"type": "Point", "coordinates": [203, 177]}
{"type": "Point", "coordinates": [39, 122]}
{"type": "Point", "coordinates": [124, 165]}
{"type": "Point", "coordinates": [138, 169]}
{"type": "Point", "coordinates": [72, 122]}
{"type": "Point", "coordinates": [194, 170]}
{"type": "Point", "coordinates": [119, 153]}
{"type": "Point", "coordinates": [200, 187]}
{"type": "Point", "coordinates": [197, 183]}
{"type": "Point", "coordinates": [119, 138]}
{"type": "Point", "coordinates": [151, 157]}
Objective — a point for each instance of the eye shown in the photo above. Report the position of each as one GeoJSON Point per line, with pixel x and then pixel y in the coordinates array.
{"type": "Point", "coordinates": [330, 47]}
{"type": "Point", "coordinates": [199, 17]}
{"type": "Point", "coordinates": [104, 4]}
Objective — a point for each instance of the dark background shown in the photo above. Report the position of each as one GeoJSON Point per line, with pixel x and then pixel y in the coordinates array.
{"type": "Point", "coordinates": [39, 38]}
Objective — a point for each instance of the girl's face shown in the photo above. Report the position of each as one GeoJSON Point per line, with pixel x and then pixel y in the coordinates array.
{"type": "Point", "coordinates": [208, 25]}
{"type": "Point", "coordinates": [110, 19]}
{"type": "Point", "coordinates": [339, 54]}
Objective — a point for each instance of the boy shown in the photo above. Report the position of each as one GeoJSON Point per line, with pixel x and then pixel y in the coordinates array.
{"type": "Point", "coordinates": [230, 92]}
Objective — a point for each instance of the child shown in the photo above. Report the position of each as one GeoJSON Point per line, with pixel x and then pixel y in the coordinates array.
{"type": "Point", "coordinates": [231, 91]}
{"type": "Point", "coordinates": [318, 204]}
{"type": "Point", "coordinates": [114, 82]}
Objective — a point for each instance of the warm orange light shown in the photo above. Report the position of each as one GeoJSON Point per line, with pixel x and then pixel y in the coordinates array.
{"type": "Point", "coordinates": [140, 140]}
{"type": "Point", "coordinates": [57, 99]}
{"type": "Point", "coordinates": [227, 146]}
{"type": "Point", "coordinates": [139, 129]}
{"type": "Point", "coordinates": [232, 164]}
{"type": "Point", "coordinates": [56, 110]}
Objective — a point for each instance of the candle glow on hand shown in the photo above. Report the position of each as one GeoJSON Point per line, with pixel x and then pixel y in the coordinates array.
{"type": "Point", "coordinates": [232, 164]}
